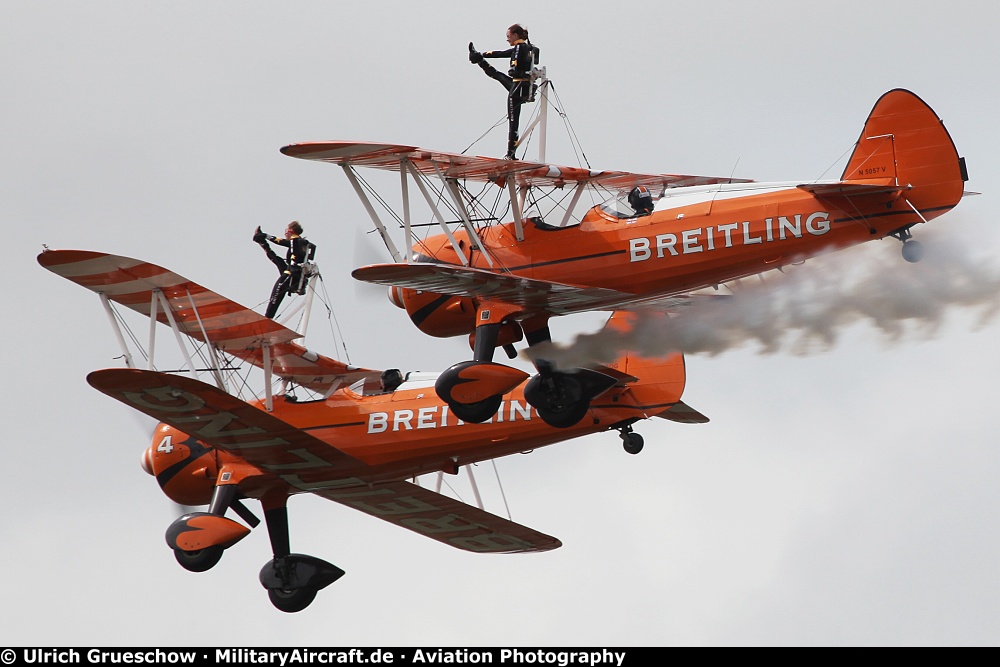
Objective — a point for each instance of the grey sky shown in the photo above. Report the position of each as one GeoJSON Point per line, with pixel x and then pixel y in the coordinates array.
{"type": "Point", "coordinates": [841, 498]}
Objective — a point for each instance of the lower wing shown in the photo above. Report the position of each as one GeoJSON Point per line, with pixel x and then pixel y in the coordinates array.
{"type": "Point", "coordinates": [528, 293]}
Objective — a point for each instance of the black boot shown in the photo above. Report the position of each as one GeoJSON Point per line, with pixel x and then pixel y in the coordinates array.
{"type": "Point", "coordinates": [511, 146]}
{"type": "Point", "coordinates": [475, 57]}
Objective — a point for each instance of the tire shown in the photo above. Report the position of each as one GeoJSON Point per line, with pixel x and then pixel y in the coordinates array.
{"type": "Point", "coordinates": [478, 412]}
{"type": "Point", "coordinates": [200, 560]}
{"type": "Point", "coordinates": [633, 443]}
{"type": "Point", "coordinates": [291, 600]}
{"type": "Point", "coordinates": [913, 251]}
{"type": "Point", "coordinates": [565, 417]}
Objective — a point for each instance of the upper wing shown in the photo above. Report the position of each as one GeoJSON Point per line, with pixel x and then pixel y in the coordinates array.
{"type": "Point", "coordinates": [306, 463]}
{"type": "Point", "coordinates": [201, 314]}
{"type": "Point", "coordinates": [528, 293]}
{"type": "Point", "coordinates": [485, 169]}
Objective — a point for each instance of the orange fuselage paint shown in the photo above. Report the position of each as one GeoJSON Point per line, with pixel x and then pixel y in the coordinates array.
{"type": "Point", "coordinates": [411, 431]}
{"type": "Point", "coordinates": [904, 170]}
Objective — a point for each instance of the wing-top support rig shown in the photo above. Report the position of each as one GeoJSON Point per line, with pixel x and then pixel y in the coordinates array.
{"type": "Point", "coordinates": [546, 194]}
{"type": "Point", "coordinates": [220, 328]}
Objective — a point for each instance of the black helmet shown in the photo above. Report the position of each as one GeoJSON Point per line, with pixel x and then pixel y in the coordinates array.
{"type": "Point", "coordinates": [641, 200]}
{"type": "Point", "coordinates": [391, 379]}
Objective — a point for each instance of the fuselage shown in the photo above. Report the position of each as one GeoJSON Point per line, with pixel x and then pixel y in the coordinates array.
{"type": "Point", "coordinates": [696, 237]}
{"type": "Point", "coordinates": [402, 434]}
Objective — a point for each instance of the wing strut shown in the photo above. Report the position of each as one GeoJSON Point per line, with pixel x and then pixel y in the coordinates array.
{"type": "Point", "coordinates": [268, 370]}
{"type": "Point", "coordinates": [158, 293]}
{"type": "Point", "coordinates": [437, 214]}
{"type": "Point", "coordinates": [515, 207]}
{"type": "Point", "coordinates": [460, 205]}
{"type": "Point", "coordinates": [220, 381]}
{"type": "Point", "coordinates": [404, 189]}
{"type": "Point", "coordinates": [353, 178]}
{"type": "Point", "coordinates": [573, 202]}
{"type": "Point", "coordinates": [118, 330]}
{"type": "Point", "coordinates": [154, 308]}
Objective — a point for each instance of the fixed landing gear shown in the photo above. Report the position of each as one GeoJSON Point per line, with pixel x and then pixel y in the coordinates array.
{"type": "Point", "coordinates": [200, 560]}
{"type": "Point", "coordinates": [913, 251]}
{"type": "Point", "coordinates": [478, 412]}
{"type": "Point", "coordinates": [198, 539]}
{"type": "Point", "coordinates": [474, 389]}
{"type": "Point", "coordinates": [563, 399]}
{"type": "Point", "coordinates": [632, 442]}
{"type": "Point", "coordinates": [292, 580]}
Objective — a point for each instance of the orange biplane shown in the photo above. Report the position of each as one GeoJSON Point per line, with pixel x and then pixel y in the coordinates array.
{"type": "Point", "coordinates": [358, 443]}
{"type": "Point", "coordinates": [648, 243]}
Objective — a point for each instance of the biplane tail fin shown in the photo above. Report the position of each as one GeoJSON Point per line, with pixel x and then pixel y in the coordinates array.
{"type": "Point", "coordinates": [904, 144]}
{"type": "Point", "coordinates": [655, 384]}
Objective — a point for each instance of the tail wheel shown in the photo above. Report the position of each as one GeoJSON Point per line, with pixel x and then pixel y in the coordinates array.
{"type": "Point", "coordinates": [632, 442]}
{"type": "Point", "coordinates": [913, 251]}
{"type": "Point", "coordinates": [291, 600]}
{"type": "Point", "coordinates": [200, 560]}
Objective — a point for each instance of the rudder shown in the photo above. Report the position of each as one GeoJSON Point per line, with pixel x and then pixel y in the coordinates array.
{"type": "Point", "coordinates": [905, 143]}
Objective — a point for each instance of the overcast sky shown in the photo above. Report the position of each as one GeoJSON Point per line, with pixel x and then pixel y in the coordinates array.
{"type": "Point", "coordinates": [846, 497]}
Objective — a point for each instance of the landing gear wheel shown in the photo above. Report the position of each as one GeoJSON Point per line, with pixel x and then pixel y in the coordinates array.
{"type": "Point", "coordinates": [632, 442]}
{"type": "Point", "coordinates": [566, 416]}
{"type": "Point", "coordinates": [200, 560]}
{"type": "Point", "coordinates": [291, 600]}
{"type": "Point", "coordinates": [558, 397]}
{"type": "Point", "coordinates": [478, 412]}
{"type": "Point", "coordinates": [913, 251]}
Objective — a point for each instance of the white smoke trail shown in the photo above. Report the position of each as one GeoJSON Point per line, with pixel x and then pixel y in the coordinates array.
{"type": "Point", "coordinates": [805, 309]}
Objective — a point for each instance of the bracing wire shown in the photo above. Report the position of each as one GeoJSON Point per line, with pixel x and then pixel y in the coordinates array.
{"type": "Point", "coordinates": [331, 316]}
{"type": "Point", "coordinates": [483, 135]}
{"type": "Point", "coordinates": [574, 139]}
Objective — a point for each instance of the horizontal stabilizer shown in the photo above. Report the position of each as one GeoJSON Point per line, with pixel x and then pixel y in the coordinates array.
{"type": "Point", "coordinates": [852, 189]}
{"type": "Point", "coordinates": [682, 413]}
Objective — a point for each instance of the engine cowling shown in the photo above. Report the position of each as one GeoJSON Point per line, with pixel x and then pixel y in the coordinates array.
{"type": "Point", "coordinates": [438, 315]}
{"type": "Point", "coordinates": [184, 468]}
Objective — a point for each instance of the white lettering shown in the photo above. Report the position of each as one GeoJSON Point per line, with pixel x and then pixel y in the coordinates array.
{"type": "Point", "coordinates": [425, 417]}
{"type": "Point", "coordinates": [517, 408]}
{"type": "Point", "coordinates": [666, 241]}
{"type": "Point", "coordinates": [747, 239]}
{"type": "Point", "coordinates": [639, 250]}
{"type": "Point", "coordinates": [818, 229]}
{"type": "Point", "coordinates": [378, 422]}
{"type": "Point", "coordinates": [784, 225]}
{"type": "Point", "coordinates": [402, 417]}
{"type": "Point", "coordinates": [727, 229]}
{"type": "Point", "coordinates": [690, 240]}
